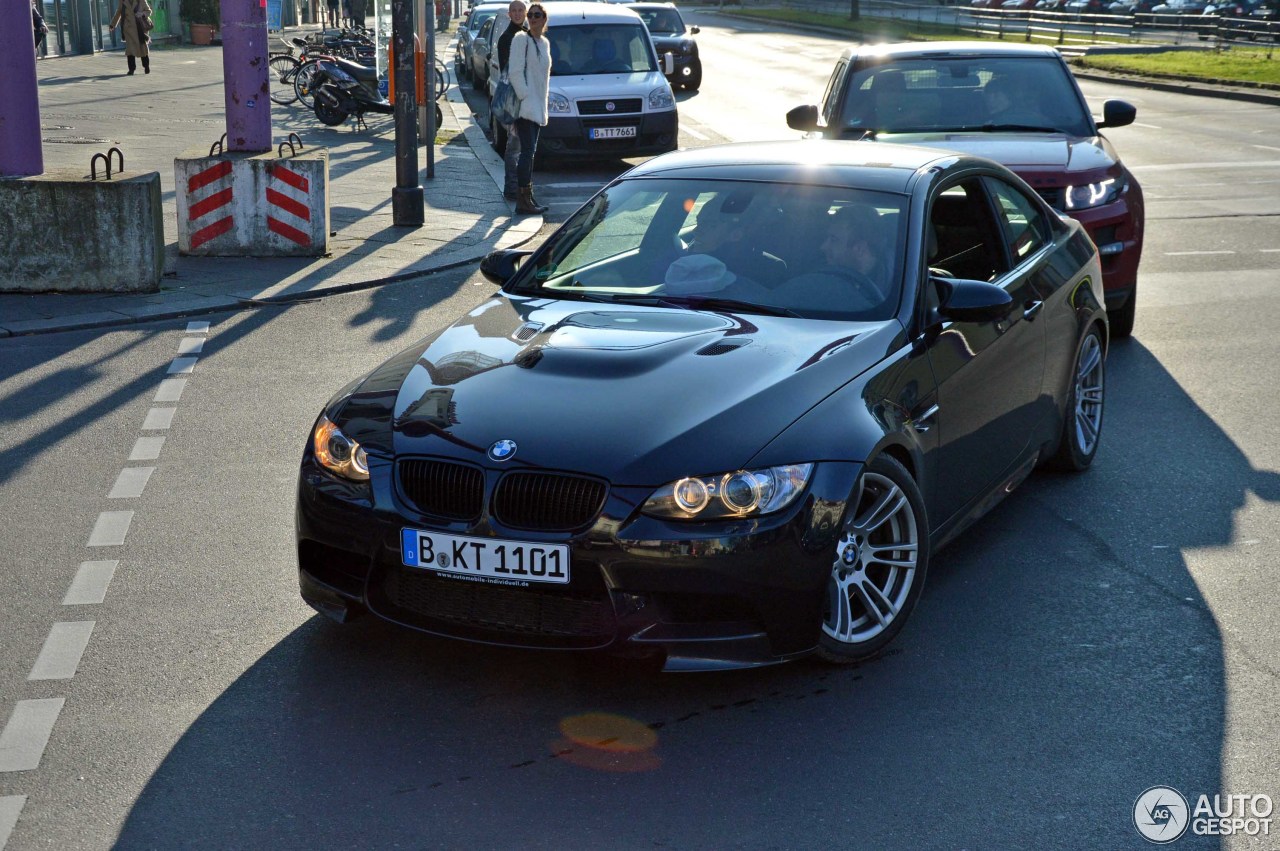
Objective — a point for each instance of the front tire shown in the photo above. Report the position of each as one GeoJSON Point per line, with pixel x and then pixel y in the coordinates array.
{"type": "Point", "coordinates": [1121, 320]}
{"type": "Point", "coordinates": [1082, 424]}
{"type": "Point", "coordinates": [878, 566]}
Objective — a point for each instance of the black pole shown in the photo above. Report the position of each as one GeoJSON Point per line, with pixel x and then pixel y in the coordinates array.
{"type": "Point", "coordinates": [406, 198]}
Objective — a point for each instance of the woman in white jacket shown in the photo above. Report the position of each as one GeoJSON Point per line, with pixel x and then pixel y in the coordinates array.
{"type": "Point", "coordinates": [530, 74]}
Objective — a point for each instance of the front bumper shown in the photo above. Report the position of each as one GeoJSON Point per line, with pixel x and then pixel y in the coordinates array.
{"type": "Point", "coordinates": [712, 595]}
{"type": "Point", "coordinates": [567, 136]}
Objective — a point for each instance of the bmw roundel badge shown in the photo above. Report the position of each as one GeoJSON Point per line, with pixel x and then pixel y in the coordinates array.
{"type": "Point", "coordinates": [502, 450]}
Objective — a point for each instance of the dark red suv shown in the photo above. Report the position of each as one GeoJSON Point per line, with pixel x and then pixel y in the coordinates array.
{"type": "Point", "coordinates": [1016, 104]}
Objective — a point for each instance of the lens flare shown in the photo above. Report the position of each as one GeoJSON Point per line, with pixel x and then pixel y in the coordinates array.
{"type": "Point", "coordinates": [605, 742]}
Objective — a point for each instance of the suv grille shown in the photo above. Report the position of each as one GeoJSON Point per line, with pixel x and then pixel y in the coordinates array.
{"type": "Point", "coordinates": [441, 488]}
{"type": "Point", "coordinates": [547, 502]}
{"type": "Point", "coordinates": [600, 107]}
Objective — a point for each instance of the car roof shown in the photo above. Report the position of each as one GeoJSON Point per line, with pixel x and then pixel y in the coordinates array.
{"type": "Point", "coordinates": [651, 6]}
{"type": "Point", "coordinates": [948, 49]}
{"type": "Point", "coordinates": [574, 12]}
{"type": "Point", "coordinates": [890, 168]}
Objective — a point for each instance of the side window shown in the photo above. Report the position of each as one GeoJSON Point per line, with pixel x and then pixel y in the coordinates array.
{"type": "Point", "coordinates": [828, 96]}
{"type": "Point", "coordinates": [1022, 220]}
{"type": "Point", "coordinates": [962, 242]}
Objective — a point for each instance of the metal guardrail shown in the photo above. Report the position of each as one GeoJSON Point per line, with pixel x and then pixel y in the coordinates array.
{"type": "Point", "coordinates": [1066, 29]}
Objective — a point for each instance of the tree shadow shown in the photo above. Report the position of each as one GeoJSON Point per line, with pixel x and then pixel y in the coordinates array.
{"type": "Point", "coordinates": [1057, 667]}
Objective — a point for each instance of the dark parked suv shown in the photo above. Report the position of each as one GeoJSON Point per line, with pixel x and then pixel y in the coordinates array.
{"type": "Point", "coordinates": [1016, 104]}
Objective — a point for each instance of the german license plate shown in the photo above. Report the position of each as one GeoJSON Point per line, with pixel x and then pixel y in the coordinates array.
{"type": "Point", "coordinates": [485, 558]}
{"type": "Point", "coordinates": [611, 133]}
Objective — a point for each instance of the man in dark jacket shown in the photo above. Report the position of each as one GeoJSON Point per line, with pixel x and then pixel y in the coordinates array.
{"type": "Point", "coordinates": [515, 12]}
{"type": "Point", "coordinates": [38, 24]}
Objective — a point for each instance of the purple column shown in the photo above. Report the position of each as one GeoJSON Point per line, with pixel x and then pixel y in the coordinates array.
{"type": "Point", "coordinates": [244, 67]}
{"type": "Point", "coordinates": [20, 153]}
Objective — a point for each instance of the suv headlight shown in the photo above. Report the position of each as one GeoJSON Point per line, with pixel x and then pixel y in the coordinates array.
{"type": "Point", "coordinates": [557, 102]}
{"type": "Point", "coordinates": [338, 453]}
{"type": "Point", "coordinates": [742, 493]}
{"type": "Point", "coordinates": [661, 98]}
{"type": "Point", "coordinates": [1088, 195]}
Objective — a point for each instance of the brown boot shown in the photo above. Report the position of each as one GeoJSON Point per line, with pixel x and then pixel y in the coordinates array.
{"type": "Point", "coordinates": [527, 193]}
{"type": "Point", "coordinates": [536, 203]}
{"type": "Point", "coordinates": [525, 205]}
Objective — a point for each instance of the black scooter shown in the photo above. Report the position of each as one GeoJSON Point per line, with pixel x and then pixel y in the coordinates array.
{"type": "Point", "coordinates": [344, 88]}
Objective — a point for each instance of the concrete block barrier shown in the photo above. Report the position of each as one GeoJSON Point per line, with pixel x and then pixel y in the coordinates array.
{"type": "Point", "coordinates": [61, 232]}
{"type": "Point", "coordinates": [253, 205]}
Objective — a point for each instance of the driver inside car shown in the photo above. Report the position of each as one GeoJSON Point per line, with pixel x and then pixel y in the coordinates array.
{"type": "Point", "coordinates": [853, 274]}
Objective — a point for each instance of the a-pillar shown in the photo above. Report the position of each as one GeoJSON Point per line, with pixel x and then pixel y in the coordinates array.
{"type": "Point", "coordinates": [244, 67]}
{"type": "Point", "coordinates": [20, 153]}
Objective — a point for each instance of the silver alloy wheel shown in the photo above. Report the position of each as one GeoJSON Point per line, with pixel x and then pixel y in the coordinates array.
{"type": "Point", "coordinates": [1089, 394]}
{"type": "Point", "coordinates": [875, 565]}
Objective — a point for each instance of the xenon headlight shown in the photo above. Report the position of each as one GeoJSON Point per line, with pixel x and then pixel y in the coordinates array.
{"type": "Point", "coordinates": [557, 102]}
{"type": "Point", "coordinates": [338, 453]}
{"type": "Point", "coordinates": [742, 493]}
{"type": "Point", "coordinates": [661, 98]}
{"type": "Point", "coordinates": [1088, 195]}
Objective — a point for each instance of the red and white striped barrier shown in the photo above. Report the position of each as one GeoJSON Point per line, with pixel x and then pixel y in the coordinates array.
{"type": "Point", "coordinates": [260, 205]}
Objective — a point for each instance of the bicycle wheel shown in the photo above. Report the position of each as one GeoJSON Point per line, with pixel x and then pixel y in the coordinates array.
{"type": "Point", "coordinates": [302, 83]}
{"type": "Point", "coordinates": [283, 69]}
{"type": "Point", "coordinates": [442, 78]}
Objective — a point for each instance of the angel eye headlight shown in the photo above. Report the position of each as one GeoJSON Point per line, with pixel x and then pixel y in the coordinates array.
{"type": "Point", "coordinates": [338, 453]}
{"type": "Point", "coordinates": [742, 493]}
{"type": "Point", "coordinates": [1089, 195]}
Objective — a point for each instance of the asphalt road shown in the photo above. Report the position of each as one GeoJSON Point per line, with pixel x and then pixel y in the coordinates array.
{"type": "Point", "coordinates": [1094, 636]}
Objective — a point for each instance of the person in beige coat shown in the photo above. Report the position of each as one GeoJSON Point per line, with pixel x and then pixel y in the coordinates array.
{"type": "Point", "coordinates": [129, 16]}
{"type": "Point", "coordinates": [530, 73]}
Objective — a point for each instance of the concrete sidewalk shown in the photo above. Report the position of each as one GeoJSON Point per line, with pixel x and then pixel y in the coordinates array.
{"type": "Point", "coordinates": [87, 104]}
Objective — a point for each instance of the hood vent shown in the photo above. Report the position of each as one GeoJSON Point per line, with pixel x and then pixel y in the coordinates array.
{"type": "Point", "coordinates": [526, 332]}
{"type": "Point", "coordinates": [723, 347]}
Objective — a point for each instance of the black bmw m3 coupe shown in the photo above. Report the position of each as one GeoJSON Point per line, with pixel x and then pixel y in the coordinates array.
{"type": "Point", "coordinates": [722, 416]}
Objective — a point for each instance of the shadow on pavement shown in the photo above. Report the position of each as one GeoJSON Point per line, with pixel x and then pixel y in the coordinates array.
{"type": "Point", "coordinates": [1057, 667]}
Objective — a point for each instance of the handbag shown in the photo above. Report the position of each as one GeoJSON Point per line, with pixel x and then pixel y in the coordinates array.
{"type": "Point", "coordinates": [506, 104]}
{"type": "Point", "coordinates": [144, 22]}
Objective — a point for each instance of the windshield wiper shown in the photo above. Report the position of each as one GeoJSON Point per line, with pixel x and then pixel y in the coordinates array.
{"type": "Point", "coordinates": [1018, 128]}
{"type": "Point", "coordinates": [707, 303]}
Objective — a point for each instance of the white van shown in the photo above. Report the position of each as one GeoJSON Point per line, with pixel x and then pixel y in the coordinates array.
{"type": "Point", "coordinates": [609, 96]}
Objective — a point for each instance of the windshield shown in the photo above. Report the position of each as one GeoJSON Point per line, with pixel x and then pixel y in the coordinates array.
{"type": "Point", "coordinates": [970, 93]}
{"type": "Point", "coordinates": [479, 16]}
{"type": "Point", "coordinates": [662, 21]}
{"type": "Point", "coordinates": [778, 248]}
{"type": "Point", "coordinates": [600, 49]}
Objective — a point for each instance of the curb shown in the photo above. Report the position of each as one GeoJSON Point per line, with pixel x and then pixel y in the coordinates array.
{"type": "Point", "coordinates": [517, 233]}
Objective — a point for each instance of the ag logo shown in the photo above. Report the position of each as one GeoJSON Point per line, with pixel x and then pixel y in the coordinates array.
{"type": "Point", "coordinates": [1160, 814]}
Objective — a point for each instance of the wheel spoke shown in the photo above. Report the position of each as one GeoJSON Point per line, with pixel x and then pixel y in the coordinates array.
{"type": "Point", "coordinates": [1087, 427]}
{"type": "Point", "coordinates": [889, 503]}
{"type": "Point", "coordinates": [871, 598]}
{"type": "Point", "coordinates": [1089, 362]}
{"type": "Point", "coordinates": [1091, 394]}
{"type": "Point", "coordinates": [841, 622]}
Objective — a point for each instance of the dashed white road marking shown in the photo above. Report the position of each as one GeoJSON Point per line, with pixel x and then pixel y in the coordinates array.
{"type": "Point", "coordinates": [10, 809]}
{"type": "Point", "coordinates": [190, 345]}
{"type": "Point", "coordinates": [1148, 126]}
{"type": "Point", "coordinates": [111, 528]}
{"type": "Point", "coordinates": [23, 740]}
{"type": "Point", "coordinates": [1269, 250]}
{"type": "Point", "coordinates": [1198, 165]}
{"type": "Point", "coordinates": [1193, 253]}
{"type": "Point", "coordinates": [147, 448]}
{"type": "Point", "coordinates": [158, 419]}
{"type": "Point", "coordinates": [131, 482]}
{"type": "Point", "coordinates": [90, 585]}
{"type": "Point", "coordinates": [695, 134]}
{"type": "Point", "coordinates": [197, 327]}
{"type": "Point", "coordinates": [60, 655]}
{"type": "Point", "coordinates": [181, 366]}
{"type": "Point", "coordinates": [1267, 147]}
{"type": "Point", "coordinates": [171, 390]}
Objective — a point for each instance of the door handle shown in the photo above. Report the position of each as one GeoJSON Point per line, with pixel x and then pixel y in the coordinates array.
{"type": "Point", "coordinates": [1031, 308]}
{"type": "Point", "coordinates": [924, 422]}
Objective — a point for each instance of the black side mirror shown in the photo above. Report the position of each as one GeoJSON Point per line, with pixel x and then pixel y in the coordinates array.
{"type": "Point", "coordinates": [1117, 113]}
{"type": "Point", "coordinates": [972, 301]}
{"type": "Point", "coordinates": [803, 118]}
{"type": "Point", "coordinates": [500, 266]}
{"type": "Point", "coordinates": [694, 30]}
